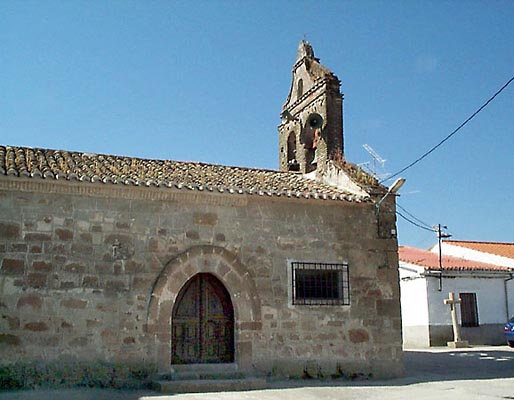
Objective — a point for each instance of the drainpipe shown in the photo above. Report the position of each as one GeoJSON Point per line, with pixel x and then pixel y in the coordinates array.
{"type": "Point", "coordinates": [507, 295]}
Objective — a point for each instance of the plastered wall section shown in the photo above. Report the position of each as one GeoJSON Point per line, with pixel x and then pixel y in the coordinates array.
{"type": "Point", "coordinates": [91, 272]}
{"type": "Point", "coordinates": [414, 303]}
{"type": "Point", "coordinates": [491, 304]}
{"type": "Point", "coordinates": [490, 294]}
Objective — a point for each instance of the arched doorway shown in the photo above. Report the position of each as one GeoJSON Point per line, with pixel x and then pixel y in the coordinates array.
{"type": "Point", "coordinates": [203, 322]}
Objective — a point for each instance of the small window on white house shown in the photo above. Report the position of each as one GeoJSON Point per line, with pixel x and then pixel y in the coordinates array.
{"type": "Point", "coordinates": [320, 283]}
{"type": "Point", "coordinates": [468, 309]}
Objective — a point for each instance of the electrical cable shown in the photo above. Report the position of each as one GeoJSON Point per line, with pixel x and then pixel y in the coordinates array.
{"type": "Point", "coordinates": [413, 216]}
{"type": "Point", "coordinates": [414, 223]}
{"type": "Point", "coordinates": [451, 134]}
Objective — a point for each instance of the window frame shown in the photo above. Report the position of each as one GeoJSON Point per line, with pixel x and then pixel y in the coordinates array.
{"type": "Point", "coordinates": [340, 287]}
{"type": "Point", "coordinates": [469, 310]}
{"type": "Point", "coordinates": [299, 89]}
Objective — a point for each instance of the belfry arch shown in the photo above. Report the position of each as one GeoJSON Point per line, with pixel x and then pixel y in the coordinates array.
{"type": "Point", "coordinates": [225, 267]}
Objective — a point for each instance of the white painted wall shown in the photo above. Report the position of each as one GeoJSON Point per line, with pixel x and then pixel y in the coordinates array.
{"type": "Point", "coordinates": [413, 295]}
{"type": "Point", "coordinates": [490, 293]}
{"type": "Point", "coordinates": [423, 304]}
{"type": "Point", "coordinates": [414, 303]}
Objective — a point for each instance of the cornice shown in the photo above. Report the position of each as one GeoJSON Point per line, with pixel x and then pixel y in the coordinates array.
{"type": "Point", "coordinates": [120, 192]}
{"type": "Point", "coordinates": [237, 198]}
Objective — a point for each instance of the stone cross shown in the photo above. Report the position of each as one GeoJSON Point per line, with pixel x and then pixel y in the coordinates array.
{"type": "Point", "coordinates": [457, 339]}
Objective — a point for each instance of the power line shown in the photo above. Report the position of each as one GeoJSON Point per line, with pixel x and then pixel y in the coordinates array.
{"type": "Point", "coordinates": [451, 134]}
{"type": "Point", "coordinates": [413, 216]}
{"type": "Point", "coordinates": [414, 223]}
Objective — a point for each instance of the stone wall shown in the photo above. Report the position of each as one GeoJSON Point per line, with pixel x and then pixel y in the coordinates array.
{"type": "Point", "coordinates": [90, 272]}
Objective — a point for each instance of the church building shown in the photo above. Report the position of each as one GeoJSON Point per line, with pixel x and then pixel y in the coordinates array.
{"type": "Point", "coordinates": [161, 263]}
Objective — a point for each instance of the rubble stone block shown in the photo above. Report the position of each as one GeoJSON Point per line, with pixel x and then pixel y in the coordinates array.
{"type": "Point", "coordinates": [37, 280]}
{"type": "Point", "coordinates": [12, 266]}
{"type": "Point", "coordinates": [74, 303]}
{"type": "Point", "coordinates": [36, 326]}
{"type": "Point", "coordinates": [42, 266]}
{"type": "Point", "coordinates": [64, 234]}
{"type": "Point", "coordinates": [9, 230]}
{"type": "Point", "coordinates": [37, 237]}
{"type": "Point", "coordinates": [9, 339]}
{"type": "Point", "coordinates": [30, 300]}
{"type": "Point", "coordinates": [358, 335]}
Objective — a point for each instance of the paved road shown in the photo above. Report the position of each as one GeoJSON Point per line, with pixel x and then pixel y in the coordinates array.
{"type": "Point", "coordinates": [483, 373]}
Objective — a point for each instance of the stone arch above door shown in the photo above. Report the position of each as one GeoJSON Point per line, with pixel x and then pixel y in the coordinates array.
{"type": "Point", "coordinates": [230, 271]}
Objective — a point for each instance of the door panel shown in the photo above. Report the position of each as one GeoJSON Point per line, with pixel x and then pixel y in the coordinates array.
{"type": "Point", "coordinates": [203, 323]}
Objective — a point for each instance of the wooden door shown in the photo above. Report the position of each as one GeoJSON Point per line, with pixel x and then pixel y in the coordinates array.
{"type": "Point", "coordinates": [203, 323]}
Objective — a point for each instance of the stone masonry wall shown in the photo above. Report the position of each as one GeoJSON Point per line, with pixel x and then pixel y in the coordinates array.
{"type": "Point", "coordinates": [90, 272]}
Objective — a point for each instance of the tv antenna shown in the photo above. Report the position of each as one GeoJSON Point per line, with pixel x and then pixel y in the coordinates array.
{"type": "Point", "coordinates": [378, 161]}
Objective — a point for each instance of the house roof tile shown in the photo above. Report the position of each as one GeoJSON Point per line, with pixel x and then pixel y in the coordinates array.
{"type": "Point", "coordinates": [37, 163]}
{"type": "Point", "coordinates": [496, 248]}
{"type": "Point", "coordinates": [430, 261]}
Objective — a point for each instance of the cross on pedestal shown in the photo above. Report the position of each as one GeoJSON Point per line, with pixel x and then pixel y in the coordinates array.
{"type": "Point", "coordinates": [457, 339]}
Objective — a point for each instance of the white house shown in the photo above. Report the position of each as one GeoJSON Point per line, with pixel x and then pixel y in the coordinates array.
{"type": "Point", "coordinates": [485, 289]}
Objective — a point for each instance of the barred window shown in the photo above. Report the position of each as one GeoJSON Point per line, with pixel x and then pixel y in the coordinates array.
{"type": "Point", "coordinates": [320, 283]}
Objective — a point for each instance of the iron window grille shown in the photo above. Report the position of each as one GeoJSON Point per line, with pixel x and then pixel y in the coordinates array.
{"type": "Point", "coordinates": [320, 283]}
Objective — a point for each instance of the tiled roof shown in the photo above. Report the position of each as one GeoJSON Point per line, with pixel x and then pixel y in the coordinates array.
{"type": "Point", "coordinates": [35, 163]}
{"type": "Point", "coordinates": [430, 261]}
{"type": "Point", "coordinates": [496, 248]}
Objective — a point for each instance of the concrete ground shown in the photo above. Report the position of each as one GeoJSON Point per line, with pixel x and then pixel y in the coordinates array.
{"type": "Point", "coordinates": [462, 374]}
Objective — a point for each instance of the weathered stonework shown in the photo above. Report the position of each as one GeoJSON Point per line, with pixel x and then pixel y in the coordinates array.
{"type": "Point", "coordinates": [75, 298]}
{"type": "Point", "coordinates": [315, 91]}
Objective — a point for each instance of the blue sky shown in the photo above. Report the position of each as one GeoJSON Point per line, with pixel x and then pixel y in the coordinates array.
{"type": "Point", "coordinates": [206, 80]}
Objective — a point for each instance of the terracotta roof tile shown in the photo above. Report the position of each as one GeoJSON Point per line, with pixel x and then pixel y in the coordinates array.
{"type": "Point", "coordinates": [430, 261]}
{"type": "Point", "coordinates": [497, 248]}
{"type": "Point", "coordinates": [38, 163]}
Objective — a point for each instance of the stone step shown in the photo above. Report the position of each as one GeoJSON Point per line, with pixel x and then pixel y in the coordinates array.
{"type": "Point", "coordinates": [190, 375]}
{"type": "Point", "coordinates": [213, 368]}
{"type": "Point", "coordinates": [197, 378]}
{"type": "Point", "coordinates": [208, 385]}
{"type": "Point", "coordinates": [202, 371]}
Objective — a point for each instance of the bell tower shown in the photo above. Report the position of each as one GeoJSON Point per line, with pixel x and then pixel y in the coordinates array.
{"type": "Point", "coordinates": [311, 129]}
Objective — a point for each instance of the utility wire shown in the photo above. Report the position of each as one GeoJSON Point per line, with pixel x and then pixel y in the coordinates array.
{"type": "Point", "coordinates": [451, 134]}
{"type": "Point", "coordinates": [414, 223]}
{"type": "Point", "coordinates": [414, 217]}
